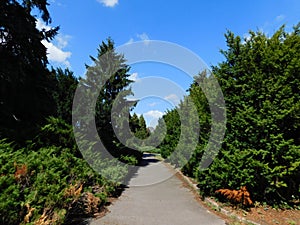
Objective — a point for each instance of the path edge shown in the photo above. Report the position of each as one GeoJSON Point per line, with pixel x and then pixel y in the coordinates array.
{"type": "Point", "coordinates": [209, 202]}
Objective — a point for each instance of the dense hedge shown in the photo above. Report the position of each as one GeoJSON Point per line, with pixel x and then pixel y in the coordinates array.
{"type": "Point", "coordinates": [261, 150]}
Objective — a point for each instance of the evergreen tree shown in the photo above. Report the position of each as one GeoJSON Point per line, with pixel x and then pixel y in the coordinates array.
{"type": "Point", "coordinates": [25, 82]}
{"type": "Point", "coordinates": [66, 84]}
{"type": "Point", "coordinates": [260, 82]}
{"type": "Point", "coordinates": [109, 72]}
{"type": "Point", "coordinates": [134, 123]}
{"type": "Point", "coordinates": [173, 129]}
{"type": "Point", "coordinates": [142, 132]}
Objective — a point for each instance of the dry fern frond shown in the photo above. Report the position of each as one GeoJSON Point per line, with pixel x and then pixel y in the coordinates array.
{"type": "Point", "coordinates": [237, 196]}
{"type": "Point", "coordinates": [29, 213]}
{"type": "Point", "coordinates": [73, 190]}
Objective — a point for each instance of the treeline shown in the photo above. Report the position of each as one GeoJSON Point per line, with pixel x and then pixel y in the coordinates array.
{"type": "Point", "coordinates": [260, 82]}
{"type": "Point", "coordinates": [44, 178]}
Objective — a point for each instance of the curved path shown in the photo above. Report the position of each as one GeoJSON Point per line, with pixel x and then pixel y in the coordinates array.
{"type": "Point", "coordinates": [156, 197]}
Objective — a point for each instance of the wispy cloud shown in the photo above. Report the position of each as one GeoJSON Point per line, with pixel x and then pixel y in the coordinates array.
{"type": "Point", "coordinates": [173, 98]}
{"type": "Point", "coordinates": [144, 37]}
{"type": "Point", "coordinates": [280, 18]}
{"type": "Point", "coordinates": [153, 104]}
{"type": "Point", "coordinates": [154, 114]}
{"type": "Point", "coordinates": [62, 40]}
{"type": "Point", "coordinates": [55, 49]}
{"type": "Point", "coordinates": [152, 117]}
{"type": "Point", "coordinates": [109, 3]}
{"type": "Point", "coordinates": [131, 40]}
{"type": "Point", "coordinates": [133, 77]}
{"type": "Point", "coordinates": [140, 37]}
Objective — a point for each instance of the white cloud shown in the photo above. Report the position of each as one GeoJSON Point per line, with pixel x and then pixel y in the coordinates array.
{"type": "Point", "coordinates": [55, 50]}
{"type": "Point", "coordinates": [131, 40]}
{"type": "Point", "coordinates": [144, 37]}
{"type": "Point", "coordinates": [152, 117]}
{"type": "Point", "coordinates": [154, 114]}
{"type": "Point", "coordinates": [62, 40]}
{"type": "Point", "coordinates": [40, 25]}
{"type": "Point", "coordinates": [56, 54]}
{"type": "Point", "coordinates": [109, 3]}
{"type": "Point", "coordinates": [133, 77]}
{"type": "Point", "coordinates": [173, 98]}
{"type": "Point", "coordinates": [153, 104]}
{"type": "Point", "coordinates": [141, 37]}
{"type": "Point", "coordinates": [280, 18]}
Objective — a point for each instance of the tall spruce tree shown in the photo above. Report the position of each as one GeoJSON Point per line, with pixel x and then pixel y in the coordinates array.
{"type": "Point", "coordinates": [110, 71]}
{"type": "Point", "coordinates": [25, 82]}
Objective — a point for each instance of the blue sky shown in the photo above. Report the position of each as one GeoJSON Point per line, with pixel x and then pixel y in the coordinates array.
{"type": "Point", "coordinates": [194, 24]}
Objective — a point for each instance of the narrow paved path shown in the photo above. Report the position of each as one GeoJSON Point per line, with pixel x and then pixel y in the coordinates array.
{"type": "Point", "coordinates": [156, 197]}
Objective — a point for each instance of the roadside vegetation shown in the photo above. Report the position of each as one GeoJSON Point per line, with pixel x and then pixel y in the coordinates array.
{"type": "Point", "coordinates": [44, 178]}
{"type": "Point", "coordinates": [260, 82]}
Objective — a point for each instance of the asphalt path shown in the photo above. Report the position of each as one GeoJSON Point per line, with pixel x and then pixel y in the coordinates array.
{"type": "Point", "coordinates": [155, 196]}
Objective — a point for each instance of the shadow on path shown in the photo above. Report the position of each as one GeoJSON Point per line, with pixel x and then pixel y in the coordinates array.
{"type": "Point", "coordinates": [155, 196]}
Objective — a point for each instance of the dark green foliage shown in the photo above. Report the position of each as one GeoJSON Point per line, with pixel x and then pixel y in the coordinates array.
{"type": "Point", "coordinates": [138, 126]}
{"type": "Point", "coordinates": [142, 132]}
{"type": "Point", "coordinates": [111, 74]}
{"type": "Point", "coordinates": [66, 84]}
{"type": "Point", "coordinates": [172, 124]}
{"type": "Point", "coordinates": [47, 178]}
{"type": "Point", "coordinates": [156, 136]}
{"type": "Point", "coordinates": [260, 82]}
{"type": "Point", "coordinates": [25, 82]}
{"type": "Point", "coordinates": [45, 175]}
{"type": "Point", "coordinates": [134, 123]}
{"type": "Point", "coordinates": [56, 133]}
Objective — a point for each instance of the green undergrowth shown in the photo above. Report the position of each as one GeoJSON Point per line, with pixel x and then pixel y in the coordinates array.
{"type": "Point", "coordinates": [51, 184]}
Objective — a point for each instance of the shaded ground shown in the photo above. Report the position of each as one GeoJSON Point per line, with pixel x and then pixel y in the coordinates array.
{"type": "Point", "coordinates": [259, 215]}
{"type": "Point", "coordinates": [265, 215]}
{"type": "Point", "coordinates": [155, 196]}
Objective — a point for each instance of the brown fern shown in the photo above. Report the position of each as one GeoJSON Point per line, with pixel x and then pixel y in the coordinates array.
{"type": "Point", "coordinates": [21, 173]}
{"type": "Point", "coordinates": [237, 196]}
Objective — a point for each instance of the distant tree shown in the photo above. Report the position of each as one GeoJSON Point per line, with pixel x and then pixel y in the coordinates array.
{"type": "Point", "coordinates": [25, 82]}
{"type": "Point", "coordinates": [173, 129]}
{"type": "Point", "coordinates": [157, 134]}
{"type": "Point", "coordinates": [66, 84]}
{"type": "Point", "coordinates": [142, 131]}
{"type": "Point", "coordinates": [134, 123]}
